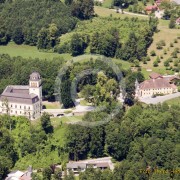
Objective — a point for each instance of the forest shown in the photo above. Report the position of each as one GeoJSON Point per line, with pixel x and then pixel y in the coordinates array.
{"type": "Point", "coordinates": [143, 136]}
{"type": "Point", "coordinates": [33, 20]}
{"type": "Point", "coordinates": [17, 70]}
{"type": "Point", "coordinates": [72, 27]}
{"type": "Point", "coordinates": [121, 35]}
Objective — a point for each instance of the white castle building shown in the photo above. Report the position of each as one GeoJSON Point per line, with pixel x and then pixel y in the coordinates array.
{"type": "Point", "coordinates": [20, 100]}
{"type": "Point", "coordinates": [157, 84]}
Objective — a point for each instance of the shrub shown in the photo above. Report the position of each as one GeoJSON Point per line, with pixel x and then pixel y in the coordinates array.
{"type": "Point", "coordinates": [177, 50]}
{"type": "Point", "coordinates": [175, 41]}
{"type": "Point", "coordinates": [171, 45]}
{"type": "Point", "coordinates": [136, 63]}
{"type": "Point", "coordinates": [158, 59]}
{"type": "Point", "coordinates": [174, 54]}
{"type": "Point", "coordinates": [165, 52]}
{"type": "Point", "coordinates": [158, 46]}
{"type": "Point", "coordinates": [166, 63]}
{"type": "Point", "coordinates": [176, 62]}
{"type": "Point", "coordinates": [170, 59]}
{"type": "Point", "coordinates": [153, 53]}
{"type": "Point", "coordinates": [162, 42]}
{"type": "Point", "coordinates": [155, 63]}
{"type": "Point", "coordinates": [148, 58]}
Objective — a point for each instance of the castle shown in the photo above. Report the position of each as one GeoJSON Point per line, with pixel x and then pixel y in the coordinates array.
{"type": "Point", "coordinates": [20, 100]}
{"type": "Point", "coordinates": [157, 84]}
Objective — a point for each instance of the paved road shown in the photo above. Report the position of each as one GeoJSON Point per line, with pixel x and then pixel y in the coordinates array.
{"type": "Point", "coordinates": [159, 99]}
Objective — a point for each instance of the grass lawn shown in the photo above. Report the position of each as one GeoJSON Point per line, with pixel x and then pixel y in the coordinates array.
{"type": "Point", "coordinates": [85, 103]}
{"type": "Point", "coordinates": [51, 105]}
{"type": "Point", "coordinates": [107, 3]}
{"type": "Point", "coordinates": [29, 51]}
{"type": "Point", "coordinates": [65, 119]}
{"type": "Point", "coordinates": [175, 101]}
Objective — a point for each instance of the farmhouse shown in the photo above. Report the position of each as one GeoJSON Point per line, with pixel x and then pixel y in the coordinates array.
{"type": "Point", "coordinates": [81, 166]}
{"type": "Point", "coordinates": [157, 84]}
{"type": "Point", "coordinates": [21, 100]}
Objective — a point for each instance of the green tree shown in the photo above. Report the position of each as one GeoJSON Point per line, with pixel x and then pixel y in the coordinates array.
{"type": "Point", "coordinates": [18, 36]}
{"type": "Point", "coordinates": [78, 44]}
{"type": "Point", "coordinates": [83, 9]}
{"type": "Point", "coordinates": [77, 139]}
{"type": "Point", "coordinates": [172, 23]}
{"type": "Point", "coordinates": [47, 173]}
{"type": "Point", "coordinates": [87, 92]}
{"type": "Point", "coordinates": [46, 123]}
{"type": "Point", "coordinates": [5, 166]}
{"type": "Point", "coordinates": [58, 174]}
{"type": "Point", "coordinates": [65, 93]}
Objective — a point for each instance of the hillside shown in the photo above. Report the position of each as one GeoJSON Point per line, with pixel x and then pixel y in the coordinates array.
{"type": "Point", "coordinates": [24, 21]}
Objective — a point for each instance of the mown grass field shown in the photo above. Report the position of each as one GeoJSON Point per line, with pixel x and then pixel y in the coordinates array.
{"type": "Point", "coordinates": [58, 121]}
{"type": "Point", "coordinates": [29, 52]}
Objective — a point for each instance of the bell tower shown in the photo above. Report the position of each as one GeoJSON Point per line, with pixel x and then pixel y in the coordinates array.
{"type": "Point", "coordinates": [136, 89]}
{"type": "Point", "coordinates": [35, 86]}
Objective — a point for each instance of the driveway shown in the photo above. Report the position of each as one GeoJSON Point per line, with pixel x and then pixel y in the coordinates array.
{"type": "Point", "coordinates": [159, 99]}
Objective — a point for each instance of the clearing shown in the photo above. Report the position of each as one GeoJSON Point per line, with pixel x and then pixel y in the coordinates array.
{"type": "Point", "coordinates": [29, 52]}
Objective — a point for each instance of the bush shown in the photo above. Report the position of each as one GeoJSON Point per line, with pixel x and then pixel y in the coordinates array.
{"type": "Point", "coordinates": [175, 41]}
{"type": "Point", "coordinates": [177, 50]}
{"type": "Point", "coordinates": [136, 63]}
{"type": "Point", "coordinates": [162, 42]}
{"type": "Point", "coordinates": [166, 63]}
{"type": "Point", "coordinates": [165, 52]}
{"type": "Point", "coordinates": [171, 45]}
{"type": "Point", "coordinates": [148, 58]}
{"type": "Point", "coordinates": [153, 53]}
{"type": "Point", "coordinates": [176, 62]}
{"type": "Point", "coordinates": [174, 54]}
{"type": "Point", "coordinates": [155, 63]}
{"type": "Point", "coordinates": [158, 59]}
{"type": "Point", "coordinates": [158, 46]}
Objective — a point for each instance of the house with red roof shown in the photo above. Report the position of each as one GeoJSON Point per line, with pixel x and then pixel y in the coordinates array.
{"type": "Point", "coordinates": [152, 8]}
{"type": "Point", "coordinates": [178, 21]}
{"type": "Point", "coordinates": [157, 84]}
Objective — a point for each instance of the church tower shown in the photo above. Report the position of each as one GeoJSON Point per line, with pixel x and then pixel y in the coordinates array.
{"type": "Point", "coordinates": [136, 89]}
{"type": "Point", "coordinates": [35, 86]}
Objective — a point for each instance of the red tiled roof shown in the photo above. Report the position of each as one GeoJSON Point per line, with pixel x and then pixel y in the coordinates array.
{"type": "Point", "coordinates": [156, 84]}
{"type": "Point", "coordinates": [155, 75]}
{"type": "Point", "coordinates": [178, 20]}
{"type": "Point", "coordinates": [150, 8]}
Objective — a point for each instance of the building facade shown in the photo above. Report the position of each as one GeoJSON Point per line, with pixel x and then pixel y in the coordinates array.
{"type": "Point", "coordinates": [21, 100]}
{"type": "Point", "coordinates": [157, 84]}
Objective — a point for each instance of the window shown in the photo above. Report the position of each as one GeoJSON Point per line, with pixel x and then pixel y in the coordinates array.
{"type": "Point", "coordinates": [16, 112]}
{"type": "Point", "coordinates": [11, 111]}
{"type": "Point", "coordinates": [20, 107]}
{"type": "Point", "coordinates": [20, 112]}
{"type": "Point", "coordinates": [24, 107]}
{"type": "Point", "coordinates": [15, 106]}
{"type": "Point", "coordinates": [11, 105]}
